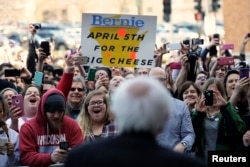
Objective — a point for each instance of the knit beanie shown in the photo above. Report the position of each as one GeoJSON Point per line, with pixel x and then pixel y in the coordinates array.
{"type": "Point", "coordinates": [54, 102]}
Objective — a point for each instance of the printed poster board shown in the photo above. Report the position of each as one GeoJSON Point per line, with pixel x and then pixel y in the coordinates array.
{"type": "Point", "coordinates": [118, 40]}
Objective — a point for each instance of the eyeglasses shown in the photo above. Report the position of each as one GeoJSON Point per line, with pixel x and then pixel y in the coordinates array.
{"type": "Point", "coordinates": [99, 103]}
{"type": "Point", "coordinates": [78, 89]}
{"type": "Point", "coordinates": [32, 92]}
{"type": "Point", "coordinates": [201, 78]}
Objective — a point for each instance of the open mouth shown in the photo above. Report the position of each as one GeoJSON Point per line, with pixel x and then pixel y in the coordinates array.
{"type": "Point", "coordinates": [32, 101]}
{"type": "Point", "coordinates": [96, 111]}
{"type": "Point", "coordinates": [9, 103]}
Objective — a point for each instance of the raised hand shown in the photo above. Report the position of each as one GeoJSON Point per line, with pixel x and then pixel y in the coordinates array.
{"type": "Point", "coordinates": [218, 100]}
{"type": "Point", "coordinates": [242, 85]}
{"type": "Point", "coordinates": [200, 104]}
{"type": "Point", "coordinates": [59, 155]}
{"type": "Point", "coordinates": [246, 138]}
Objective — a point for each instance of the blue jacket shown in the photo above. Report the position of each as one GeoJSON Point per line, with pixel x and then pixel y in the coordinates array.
{"type": "Point", "coordinates": [178, 128]}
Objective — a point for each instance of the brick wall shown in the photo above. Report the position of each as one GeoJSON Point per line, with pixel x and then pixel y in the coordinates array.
{"type": "Point", "coordinates": [236, 21]}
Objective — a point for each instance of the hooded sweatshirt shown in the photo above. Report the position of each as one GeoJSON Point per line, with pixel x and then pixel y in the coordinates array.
{"type": "Point", "coordinates": [38, 141]}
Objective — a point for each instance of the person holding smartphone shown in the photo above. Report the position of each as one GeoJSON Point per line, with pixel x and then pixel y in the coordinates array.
{"type": "Point", "coordinates": [103, 76]}
{"type": "Point", "coordinates": [246, 39]}
{"type": "Point", "coordinates": [217, 126]}
{"type": "Point", "coordinates": [41, 136]}
{"type": "Point", "coordinates": [237, 89]}
{"type": "Point", "coordinates": [9, 150]}
{"type": "Point", "coordinates": [211, 49]}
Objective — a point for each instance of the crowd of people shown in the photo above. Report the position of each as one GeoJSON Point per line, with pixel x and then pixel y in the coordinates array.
{"type": "Point", "coordinates": [158, 116]}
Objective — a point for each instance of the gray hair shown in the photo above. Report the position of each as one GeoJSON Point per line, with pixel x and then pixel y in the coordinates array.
{"type": "Point", "coordinates": [79, 78]}
{"type": "Point", "coordinates": [137, 106]}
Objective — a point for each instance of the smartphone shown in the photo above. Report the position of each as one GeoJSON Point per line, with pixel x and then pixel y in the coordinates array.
{"type": "Point", "coordinates": [38, 78]}
{"type": "Point", "coordinates": [173, 46]}
{"type": "Point", "coordinates": [91, 74]}
{"type": "Point", "coordinates": [244, 72]}
{"type": "Point", "coordinates": [175, 65]}
{"type": "Point", "coordinates": [82, 59]}
{"type": "Point", "coordinates": [64, 145]}
{"type": "Point", "coordinates": [197, 41]}
{"type": "Point", "coordinates": [228, 46]}
{"type": "Point", "coordinates": [208, 97]}
{"type": "Point", "coordinates": [46, 48]}
{"type": "Point", "coordinates": [216, 36]}
{"type": "Point", "coordinates": [12, 72]}
{"type": "Point", "coordinates": [225, 61]}
{"type": "Point", "coordinates": [17, 100]}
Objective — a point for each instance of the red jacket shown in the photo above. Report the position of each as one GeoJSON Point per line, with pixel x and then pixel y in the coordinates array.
{"type": "Point", "coordinates": [65, 83]}
{"type": "Point", "coordinates": [37, 141]}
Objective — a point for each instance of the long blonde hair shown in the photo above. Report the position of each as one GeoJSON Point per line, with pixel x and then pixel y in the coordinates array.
{"type": "Point", "coordinates": [84, 119]}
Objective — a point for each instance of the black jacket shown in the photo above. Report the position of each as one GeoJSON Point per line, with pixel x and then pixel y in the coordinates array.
{"type": "Point", "coordinates": [132, 149]}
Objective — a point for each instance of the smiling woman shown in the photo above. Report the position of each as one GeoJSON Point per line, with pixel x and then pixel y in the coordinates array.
{"type": "Point", "coordinates": [31, 95]}
{"type": "Point", "coordinates": [94, 119]}
{"type": "Point", "coordinates": [189, 92]}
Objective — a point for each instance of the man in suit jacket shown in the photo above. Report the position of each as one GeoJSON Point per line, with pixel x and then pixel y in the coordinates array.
{"type": "Point", "coordinates": [141, 108]}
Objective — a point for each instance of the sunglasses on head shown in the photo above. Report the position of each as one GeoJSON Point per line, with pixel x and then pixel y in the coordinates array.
{"type": "Point", "coordinates": [78, 89]}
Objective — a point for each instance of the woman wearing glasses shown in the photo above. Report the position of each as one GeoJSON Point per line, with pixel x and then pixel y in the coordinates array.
{"type": "Point", "coordinates": [31, 98]}
{"type": "Point", "coordinates": [94, 119]}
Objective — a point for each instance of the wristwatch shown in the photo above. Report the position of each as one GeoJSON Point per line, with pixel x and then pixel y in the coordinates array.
{"type": "Point", "coordinates": [184, 144]}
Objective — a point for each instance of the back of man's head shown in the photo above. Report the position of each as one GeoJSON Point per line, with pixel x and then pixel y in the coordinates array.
{"type": "Point", "coordinates": [141, 105]}
{"type": "Point", "coordinates": [157, 72]}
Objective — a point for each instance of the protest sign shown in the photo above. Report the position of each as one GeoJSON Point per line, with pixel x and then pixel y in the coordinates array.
{"type": "Point", "coordinates": [118, 40]}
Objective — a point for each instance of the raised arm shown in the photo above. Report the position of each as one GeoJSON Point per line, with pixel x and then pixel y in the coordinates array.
{"type": "Point", "coordinates": [243, 46]}
{"type": "Point", "coordinates": [158, 54]}
{"type": "Point", "coordinates": [182, 76]}
{"type": "Point", "coordinates": [66, 81]}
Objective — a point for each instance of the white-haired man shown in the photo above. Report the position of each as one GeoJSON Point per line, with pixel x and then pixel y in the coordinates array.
{"type": "Point", "coordinates": [140, 116]}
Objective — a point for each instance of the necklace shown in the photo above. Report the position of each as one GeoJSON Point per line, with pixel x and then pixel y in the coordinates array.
{"type": "Point", "coordinates": [214, 116]}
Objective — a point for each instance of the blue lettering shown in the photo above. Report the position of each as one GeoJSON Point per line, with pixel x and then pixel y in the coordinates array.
{"type": "Point", "coordinates": [98, 20]}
